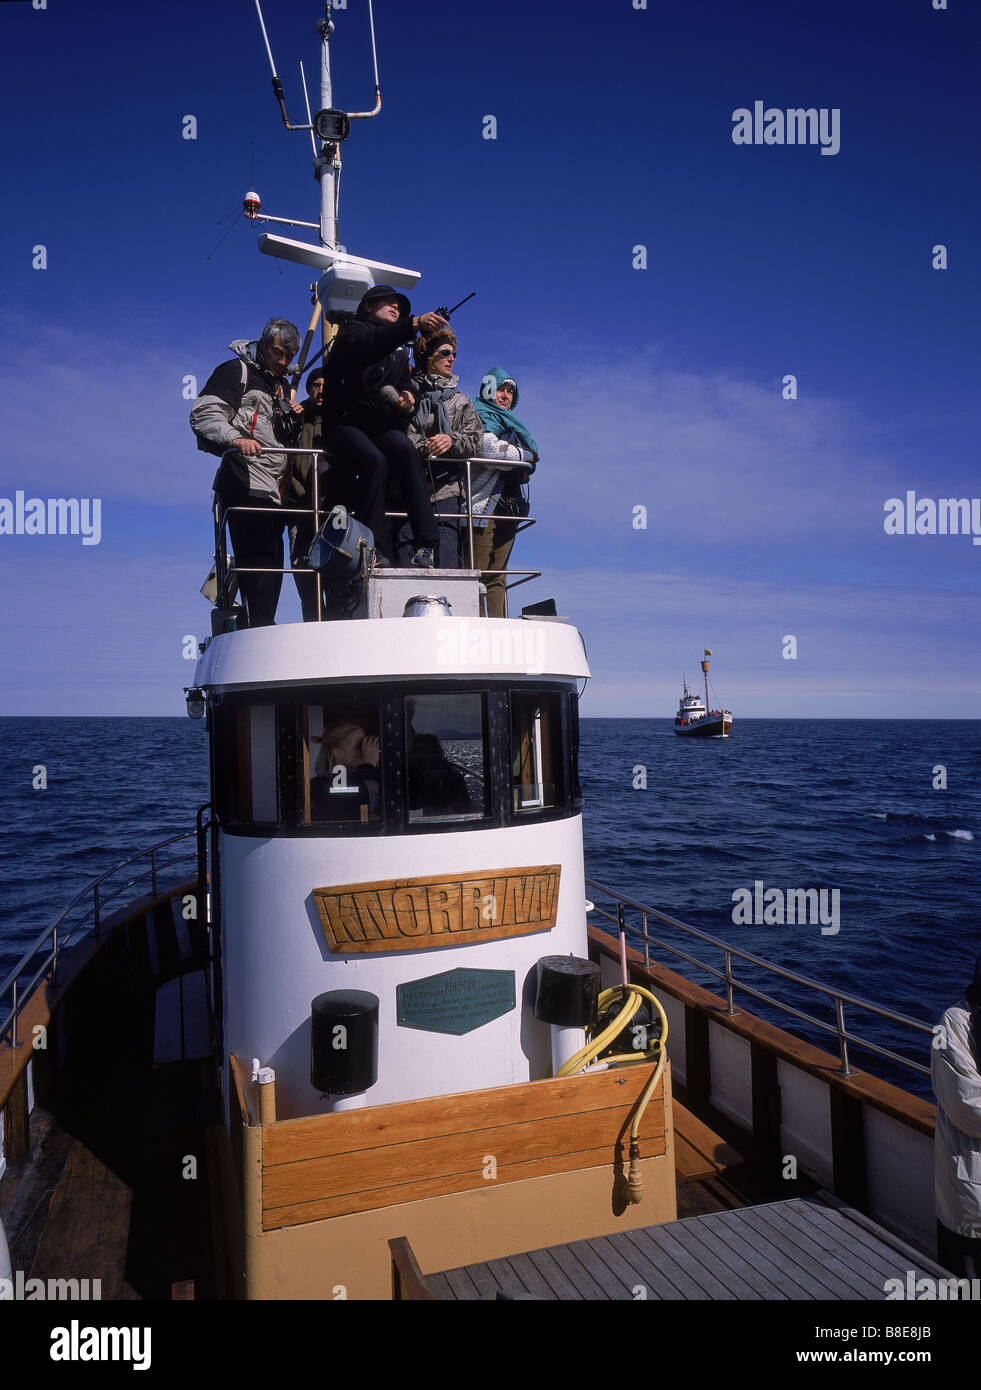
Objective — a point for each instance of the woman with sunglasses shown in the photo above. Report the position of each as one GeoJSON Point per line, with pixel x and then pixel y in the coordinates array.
{"type": "Point", "coordinates": [445, 428]}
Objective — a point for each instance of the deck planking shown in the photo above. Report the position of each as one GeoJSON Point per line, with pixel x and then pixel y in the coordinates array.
{"type": "Point", "coordinates": [800, 1249]}
{"type": "Point", "coordinates": [87, 1232]}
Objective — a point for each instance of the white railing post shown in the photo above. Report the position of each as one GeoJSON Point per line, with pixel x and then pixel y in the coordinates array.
{"type": "Point", "coordinates": [842, 1040]}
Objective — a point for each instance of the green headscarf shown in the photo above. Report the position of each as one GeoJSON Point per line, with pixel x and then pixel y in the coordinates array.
{"type": "Point", "coordinates": [498, 421]}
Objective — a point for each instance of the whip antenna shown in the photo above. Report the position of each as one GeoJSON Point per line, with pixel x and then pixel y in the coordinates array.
{"type": "Point", "coordinates": [306, 98]}
{"type": "Point", "coordinates": [277, 86]}
{"type": "Point", "coordinates": [363, 115]}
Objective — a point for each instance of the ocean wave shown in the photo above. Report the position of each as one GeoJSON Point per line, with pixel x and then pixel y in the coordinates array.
{"type": "Point", "coordinates": [960, 834]}
{"type": "Point", "coordinates": [929, 837]}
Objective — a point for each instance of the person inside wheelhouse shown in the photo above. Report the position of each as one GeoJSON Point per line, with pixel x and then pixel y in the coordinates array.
{"type": "Point", "coordinates": [437, 785]}
{"type": "Point", "coordinates": [345, 784]}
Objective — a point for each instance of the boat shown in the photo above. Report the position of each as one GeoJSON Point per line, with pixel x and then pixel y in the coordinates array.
{"type": "Point", "coordinates": [694, 718]}
{"type": "Point", "coordinates": [381, 1051]}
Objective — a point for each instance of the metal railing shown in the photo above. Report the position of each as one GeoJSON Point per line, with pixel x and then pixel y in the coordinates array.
{"type": "Point", "coordinates": [226, 573]}
{"type": "Point", "coordinates": [732, 982]}
{"type": "Point", "coordinates": [91, 902]}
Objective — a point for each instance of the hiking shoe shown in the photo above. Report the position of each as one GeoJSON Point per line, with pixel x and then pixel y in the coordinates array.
{"type": "Point", "coordinates": [424, 558]}
{"type": "Point", "coordinates": [382, 562]}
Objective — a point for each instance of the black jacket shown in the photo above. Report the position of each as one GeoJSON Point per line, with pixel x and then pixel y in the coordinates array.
{"type": "Point", "coordinates": [328, 804]}
{"type": "Point", "coordinates": [365, 358]}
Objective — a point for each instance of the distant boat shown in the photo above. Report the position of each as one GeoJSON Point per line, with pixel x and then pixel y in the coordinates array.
{"type": "Point", "coordinates": [694, 719]}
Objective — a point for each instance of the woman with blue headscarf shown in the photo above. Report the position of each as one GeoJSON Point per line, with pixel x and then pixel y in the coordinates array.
{"type": "Point", "coordinates": [498, 499]}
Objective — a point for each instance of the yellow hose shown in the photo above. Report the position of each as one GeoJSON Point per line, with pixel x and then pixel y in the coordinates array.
{"type": "Point", "coordinates": [580, 1060]}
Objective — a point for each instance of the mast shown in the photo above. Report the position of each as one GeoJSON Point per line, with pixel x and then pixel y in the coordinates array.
{"type": "Point", "coordinates": [705, 668]}
{"type": "Point", "coordinates": [343, 278]}
{"type": "Point", "coordinates": [327, 161]}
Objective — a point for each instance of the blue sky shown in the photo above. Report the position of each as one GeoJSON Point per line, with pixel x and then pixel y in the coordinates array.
{"type": "Point", "coordinates": [657, 387]}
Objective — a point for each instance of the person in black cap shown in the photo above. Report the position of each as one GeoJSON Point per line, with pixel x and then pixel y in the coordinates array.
{"type": "Point", "coordinates": [369, 403]}
{"type": "Point", "coordinates": [955, 1071]}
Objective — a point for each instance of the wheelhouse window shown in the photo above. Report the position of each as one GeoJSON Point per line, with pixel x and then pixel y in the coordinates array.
{"type": "Point", "coordinates": [395, 758]}
{"type": "Point", "coordinates": [248, 789]}
{"type": "Point", "coordinates": [536, 752]}
{"type": "Point", "coordinates": [446, 756]}
{"type": "Point", "coordinates": [341, 755]}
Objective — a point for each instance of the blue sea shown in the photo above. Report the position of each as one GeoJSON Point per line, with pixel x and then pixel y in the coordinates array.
{"type": "Point", "coordinates": [847, 806]}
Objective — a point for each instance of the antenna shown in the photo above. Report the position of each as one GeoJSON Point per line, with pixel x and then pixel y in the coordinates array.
{"type": "Point", "coordinates": [344, 278]}
{"type": "Point", "coordinates": [265, 37]}
{"type": "Point", "coordinates": [364, 115]}
{"type": "Point", "coordinates": [306, 98]}
{"type": "Point", "coordinates": [277, 86]}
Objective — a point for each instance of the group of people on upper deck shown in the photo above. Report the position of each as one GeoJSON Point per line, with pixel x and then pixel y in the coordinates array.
{"type": "Point", "coordinates": [394, 439]}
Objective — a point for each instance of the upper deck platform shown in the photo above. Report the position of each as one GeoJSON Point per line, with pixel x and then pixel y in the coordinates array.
{"type": "Point", "coordinates": [369, 649]}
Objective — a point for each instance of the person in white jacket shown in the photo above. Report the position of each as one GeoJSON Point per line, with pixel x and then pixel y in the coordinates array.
{"type": "Point", "coordinates": [955, 1070]}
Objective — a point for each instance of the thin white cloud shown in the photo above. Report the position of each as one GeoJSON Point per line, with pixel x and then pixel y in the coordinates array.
{"type": "Point", "coordinates": [713, 457]}
{"type": "Point", "coordinates": [854, 644]}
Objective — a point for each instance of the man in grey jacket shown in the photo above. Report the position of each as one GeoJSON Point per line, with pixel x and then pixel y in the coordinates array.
{"type": "Point", "coordinates": [955, 1070]}
{"type": "Point", "coordinates": [242, 414]}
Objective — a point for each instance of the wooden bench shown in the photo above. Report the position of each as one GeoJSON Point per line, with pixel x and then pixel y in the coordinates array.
{"type": "Point", "coordinates": [699, 1153]}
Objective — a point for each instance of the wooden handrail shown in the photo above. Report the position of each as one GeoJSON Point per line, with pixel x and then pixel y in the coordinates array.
{"type": "Point", "coordinates": [408, 1281]}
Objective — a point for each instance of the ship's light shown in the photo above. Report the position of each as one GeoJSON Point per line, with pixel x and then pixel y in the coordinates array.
{"type": "Point", "coordinates": [331, 125]}
{"type": "Point", "coordinates": [196, 701]}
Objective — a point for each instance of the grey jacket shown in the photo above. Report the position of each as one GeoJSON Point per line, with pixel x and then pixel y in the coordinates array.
{"type": "Point", "coordinates": [237, 403]}
{"type": "Point", "coordinates": [464, 428]}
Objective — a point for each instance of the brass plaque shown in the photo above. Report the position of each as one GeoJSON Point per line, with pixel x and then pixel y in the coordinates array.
{"type": "Point", "coordinates": [414, 914]}
{"type": "Point", "coordinates": [457, 1002]}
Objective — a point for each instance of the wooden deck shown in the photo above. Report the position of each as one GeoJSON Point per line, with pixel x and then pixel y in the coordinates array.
{"type": "Point", "coordinates": [804, 1248]}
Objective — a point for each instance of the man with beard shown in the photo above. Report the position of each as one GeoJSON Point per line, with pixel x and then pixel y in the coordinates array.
{"type": "Point", "coordinates": [243, 411]}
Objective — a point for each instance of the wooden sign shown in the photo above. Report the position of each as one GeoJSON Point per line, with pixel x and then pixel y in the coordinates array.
{"type": "Point", "coordinates": [413, 914]}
